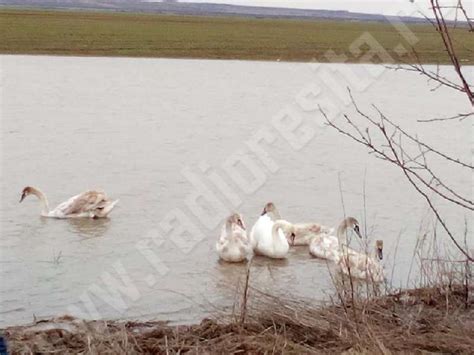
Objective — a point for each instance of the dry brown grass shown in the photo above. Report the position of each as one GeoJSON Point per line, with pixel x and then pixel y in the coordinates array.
{"type": "Point", "coordinates": [421, 320]}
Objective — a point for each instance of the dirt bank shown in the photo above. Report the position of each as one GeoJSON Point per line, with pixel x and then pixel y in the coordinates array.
{"type": "Point", "coordinates": [419, 320]}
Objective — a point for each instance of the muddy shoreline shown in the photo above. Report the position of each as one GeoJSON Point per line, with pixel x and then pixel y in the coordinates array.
{"type": "Point", "coordinates": [436, 319]}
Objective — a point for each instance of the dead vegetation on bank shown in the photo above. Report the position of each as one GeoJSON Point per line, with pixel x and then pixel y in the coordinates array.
{"type": "Point", "coordinates": [437, 319]}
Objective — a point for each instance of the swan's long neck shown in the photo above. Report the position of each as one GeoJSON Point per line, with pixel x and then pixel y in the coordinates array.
{"type": "Point", "coordinates": [341, 233]}
{"type": "Point", "coordinates": [275, 236]}
{"type": "Point", "coordinates": [42, 197]}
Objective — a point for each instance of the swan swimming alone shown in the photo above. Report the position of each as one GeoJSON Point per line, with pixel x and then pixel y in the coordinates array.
{"type": "Point", "coordinates": [233, 244]}
{"type": "Point", "coordinates": [269, 237]}
{"type": "Point", "coordinates": [326, 246]}
{"type": "Point", "coordinates": [362, 266]}
{"type": "Point", "coordinates": [89, 204]}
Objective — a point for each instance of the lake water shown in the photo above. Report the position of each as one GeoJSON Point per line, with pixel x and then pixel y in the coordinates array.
{"type": "Point", "coordinates": [158, 134]}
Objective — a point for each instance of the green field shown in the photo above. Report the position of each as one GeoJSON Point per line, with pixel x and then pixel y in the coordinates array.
{"type": "Point", "coordinates": [149, 35]}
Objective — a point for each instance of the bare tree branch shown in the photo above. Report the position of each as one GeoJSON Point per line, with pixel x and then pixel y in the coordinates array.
{"type": "Point", "coordinates": [459, 116]}
{"type": "Point", "coordinates": [442, 29]}
{"type": "Point", "coordinates": [399, 157]}
{"type": "Point", "coordinates": [410, 137]}
{"type": "Point", "coordinates": [390, 142]}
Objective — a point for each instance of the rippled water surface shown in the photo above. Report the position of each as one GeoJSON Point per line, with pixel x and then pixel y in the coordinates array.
{"type": "Point", "coordinates": [156, 133]}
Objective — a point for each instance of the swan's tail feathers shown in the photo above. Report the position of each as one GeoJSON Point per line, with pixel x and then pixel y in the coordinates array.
{"type": "Point", "coordinates": [106, 209]}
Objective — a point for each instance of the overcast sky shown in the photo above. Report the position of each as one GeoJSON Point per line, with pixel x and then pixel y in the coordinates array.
{"type": "Point", "coordinates": [386, 7]}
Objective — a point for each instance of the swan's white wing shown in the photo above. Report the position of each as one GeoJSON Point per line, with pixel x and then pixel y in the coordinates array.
{"type": "Point", "coordinates": [261, 230]}
{"type": "Point", "coordinates": [223, 236]}
{"type": "Point", "coordinates": [220, 244]}
{"type": "Point", "coordinates": [361, 266]}
{"type": "Point", "coordinates": [263, 242]}
{"type": "Point", "coordinates": [306, 232]}
{"type": "Point", "coordinates": [330, 242]}
{"type": "Point", "coordinates": [325, 247]}
{"type": "Point", "coordinates": [235, 230]}
{"type": "Point", "coordinates": [85, 202]}
{"type": "Point", "coordinates": [59, 211]}
{"type": "Point", "coordinates": [254, 234]}
{"type": "Point", "coordinates": [280, 248]}
{"type": "Point", "coordinates": [234, 247]}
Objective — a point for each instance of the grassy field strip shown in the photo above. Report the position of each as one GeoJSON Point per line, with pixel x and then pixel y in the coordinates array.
{"type": "Point", "coordinates": [148, 35]}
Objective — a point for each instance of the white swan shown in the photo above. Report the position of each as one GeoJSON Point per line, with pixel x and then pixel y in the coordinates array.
{"type": "Point", "coordinates": [264, 223]}
{"type": "Point", "coordinates": [326, 246]}
{"type": "Point", "coordinates": [89, 204]}
{"type": "Point", "coordinates": [233, 244]}
{"type": "Point", "coordinates": [274, 242]}
{"type": "Point", "coordinates": [363, 266]}
{"type": "Point", "coordinates": [269, 237]}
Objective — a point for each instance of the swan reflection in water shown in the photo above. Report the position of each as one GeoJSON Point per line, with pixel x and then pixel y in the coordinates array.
{"type": "Point", "coordinates": [263, 271]}
{"type": "Point", "coordinates": [89, 228]}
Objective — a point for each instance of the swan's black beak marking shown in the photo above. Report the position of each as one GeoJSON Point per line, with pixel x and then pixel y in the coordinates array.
{"type": "Point", "coordinates": [380, 253]}
{"type": "Point", "coordinates": [264, 212]}
{"type": "Point", "coordinates": [357, 230]}
{"type": "Point", "coordinates": [23, 195]}
{"type": "Point", "coordinates": [292, 236]}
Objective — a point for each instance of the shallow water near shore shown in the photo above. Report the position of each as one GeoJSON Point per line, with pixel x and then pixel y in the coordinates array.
{"type": "Point", "coordinates": [155, 133]}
